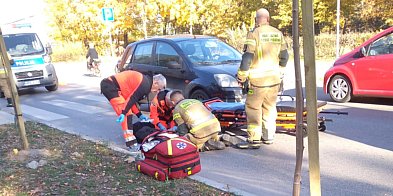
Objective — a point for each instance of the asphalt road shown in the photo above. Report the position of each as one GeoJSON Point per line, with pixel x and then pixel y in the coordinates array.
{"type": "Point", "coordinates": [356, 155]}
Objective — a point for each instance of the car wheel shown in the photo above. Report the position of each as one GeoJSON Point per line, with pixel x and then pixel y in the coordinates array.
{"type": "Point", "coordinates": [199, 94]}
{"type": "Point", "coordinates": [54, 86]}
{"type": "Point", "coordinates": [340, 89]}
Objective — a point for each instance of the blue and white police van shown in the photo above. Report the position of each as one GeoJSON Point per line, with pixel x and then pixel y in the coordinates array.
{"type": "Point", "coordinates": [32, 61]}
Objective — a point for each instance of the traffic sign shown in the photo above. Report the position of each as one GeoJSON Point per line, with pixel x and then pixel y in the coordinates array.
{"type": "Point", "coordinates": [107, 14]}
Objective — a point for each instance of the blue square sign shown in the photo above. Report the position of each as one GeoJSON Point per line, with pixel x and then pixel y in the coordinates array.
{"type": "Point", "coordinates": [107, 14]}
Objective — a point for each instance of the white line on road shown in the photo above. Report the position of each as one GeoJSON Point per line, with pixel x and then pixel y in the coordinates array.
{"type": "Point", "coordinates": [76, 106]}
{"type": "Point", "coordinates": [41, 114]}
{"type": "Point", "coordinates": [93, 98]}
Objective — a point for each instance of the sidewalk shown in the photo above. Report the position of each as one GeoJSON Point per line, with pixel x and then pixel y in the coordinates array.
{"type": "Point", "coordinates": [5, 118]}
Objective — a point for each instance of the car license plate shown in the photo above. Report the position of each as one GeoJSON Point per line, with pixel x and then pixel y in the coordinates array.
{"type": "Point", "coordinates": [32, 82]}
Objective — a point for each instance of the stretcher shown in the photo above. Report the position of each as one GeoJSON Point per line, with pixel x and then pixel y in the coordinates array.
{"type": "Point", "coordinates": [233, 115]}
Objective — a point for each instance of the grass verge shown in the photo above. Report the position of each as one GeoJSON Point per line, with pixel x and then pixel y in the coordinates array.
{"type": "Point", "coordinates": [75, 166]}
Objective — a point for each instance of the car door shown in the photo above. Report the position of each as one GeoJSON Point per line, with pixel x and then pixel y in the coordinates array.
{"type": "Point", "coordinates": [165, 56]}
{"type": "Point", "coordinates": [374, 72]}
{"type": "Point", "coordinates": [142, 60]}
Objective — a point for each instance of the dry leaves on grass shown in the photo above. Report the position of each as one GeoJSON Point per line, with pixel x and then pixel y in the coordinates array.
{"type": "Point", "coordinates": [76, 166]}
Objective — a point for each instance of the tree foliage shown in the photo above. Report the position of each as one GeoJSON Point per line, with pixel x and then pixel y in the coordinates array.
{"type": "Point", "coordinates": [81, 20]}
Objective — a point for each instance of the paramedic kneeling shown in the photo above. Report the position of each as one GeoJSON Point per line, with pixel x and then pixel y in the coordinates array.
{"type": "Point", "coordinates": [161, 111]}
{"type": "Point", "coordinates": [123, 91]}
{"type": "Point", "coordinates": [265, 51]}
{"type": "Point", "coordinates": [195, 121]}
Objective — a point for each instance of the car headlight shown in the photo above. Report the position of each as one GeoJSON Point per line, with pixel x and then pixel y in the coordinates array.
{"type": "Point", "coordinates": [225, 80]}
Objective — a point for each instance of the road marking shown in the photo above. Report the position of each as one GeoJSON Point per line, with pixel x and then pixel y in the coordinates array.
{"type": "Point", "coordinates": [76, 106]}
{"type": "Point", "coordinates": [93, 98]}
{"type": "Point", "coordinates": [41, 114]}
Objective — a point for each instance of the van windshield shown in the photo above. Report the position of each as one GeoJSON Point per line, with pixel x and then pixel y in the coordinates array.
{"type": "Point", "coordinates": [23, 44]}
{"type": "Point", "coordinates": [209, 51]}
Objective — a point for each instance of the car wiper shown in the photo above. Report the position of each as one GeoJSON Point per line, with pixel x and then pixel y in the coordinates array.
{"type": "Point", "coordinates": [231, 61]}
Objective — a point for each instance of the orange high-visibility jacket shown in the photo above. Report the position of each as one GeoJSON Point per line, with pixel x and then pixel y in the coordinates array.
{"type": "Point", "coordinates": [133, 87]}
{"type": "Point", "coordinates": [160, 112]}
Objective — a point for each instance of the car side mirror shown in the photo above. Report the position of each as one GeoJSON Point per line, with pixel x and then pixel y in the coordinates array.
{"type": "Point", "coordinates": [174, 65]}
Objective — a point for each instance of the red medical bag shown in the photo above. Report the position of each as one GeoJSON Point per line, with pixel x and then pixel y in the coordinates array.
{"type": "Point", "coordinates": [171, 159]}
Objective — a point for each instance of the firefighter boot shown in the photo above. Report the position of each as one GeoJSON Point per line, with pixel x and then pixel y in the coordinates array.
{"type": "Point", "coordinates": [231, 140]}
{"type": "Point", "coordinates": [212, 145]}
{"type": "Point", "coordinates": [9, 102]}
{"type": "Point", "coordinates": [255, 144]}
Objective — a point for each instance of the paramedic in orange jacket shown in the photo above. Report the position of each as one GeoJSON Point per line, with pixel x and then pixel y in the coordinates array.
{"type": "Point", "coordinates": [123, 91]}
{"type": "Point", "coordinates": [161, 112]}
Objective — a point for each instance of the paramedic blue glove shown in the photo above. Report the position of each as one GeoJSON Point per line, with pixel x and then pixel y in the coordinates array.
{"type": "Point", "coordinates": [143, 118]}
{"type": "Point", "coordinates": [162, 128]}
{"type": "Point", "coordinates": [121, 118]}
{"type": "Point", "coordinates": [174, 128]}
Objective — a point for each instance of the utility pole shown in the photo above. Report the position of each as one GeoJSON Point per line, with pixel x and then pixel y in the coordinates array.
{"type": "Point", "coordinates": [338, 30]}
{"type": "Point", "coordinates": [311, 97]}
{"type": "Point", "coordinates": [14, 92]}
{"type": "Point", "coordinates": [299, 100]}
{"type": "Point", "coordinates": [144, 18]}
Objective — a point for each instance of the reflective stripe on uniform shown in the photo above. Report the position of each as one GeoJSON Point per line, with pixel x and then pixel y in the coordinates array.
{"type": "Point", "coordinates": [253, 128]}
{"type": "Point", "coordinates": [263, 71]}
{"type": "Point", "coordinates": [169, 144]}
{"type": "Point", "coordinates": [243, 73]}
{"type": "Point", "coordinates": [2, 71]}
{"type": "Point", "coordinates": [176, 116]}
{"type": "Point", "coordinates": [202, 125]}
{"type": "Point", "coordinates": [251, 42]}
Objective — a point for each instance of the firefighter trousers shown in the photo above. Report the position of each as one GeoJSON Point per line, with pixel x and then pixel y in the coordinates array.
{"type": "Point", "coordinates": [4, 86]}
{"type": "Point", "coordinates": [261, 112]}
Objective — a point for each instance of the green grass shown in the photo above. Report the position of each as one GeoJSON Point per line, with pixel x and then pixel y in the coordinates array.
{"type": "Point", "coordinates": [97, 171]}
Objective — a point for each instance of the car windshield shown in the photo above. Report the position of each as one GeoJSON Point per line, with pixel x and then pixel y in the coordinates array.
{"type": "Point", "coordinates": [23, 44]}
{"type": "Point", "coordinates": [209, 51]}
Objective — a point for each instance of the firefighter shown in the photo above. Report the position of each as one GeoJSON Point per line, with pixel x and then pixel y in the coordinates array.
{"type": "Point", "coordinates": [4, 87]}
{"type": "Point", "coordinates": [265, 55]}
{"type": "Point", "coordinates": [195, 121]}
{"type": "Point", "coordinates": [123, 91]}
{"type": "Point", "coordinates": [161, 112]}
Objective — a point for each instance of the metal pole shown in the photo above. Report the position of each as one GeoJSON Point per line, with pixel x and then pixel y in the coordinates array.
{"type": "Point", "coordinates": [311, 97]}
{"type": "Point", "coordinates": [14, 92]}
{"type": "Point", "coordinates": [299, 99]}
{"type": "Point", "coordinates": [338, 30]}
{"type": "Point", "coordinates": [144, 18]}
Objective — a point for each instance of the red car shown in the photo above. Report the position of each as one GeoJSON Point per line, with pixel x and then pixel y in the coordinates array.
{"type": "Point", "coordinates": [365, 71]}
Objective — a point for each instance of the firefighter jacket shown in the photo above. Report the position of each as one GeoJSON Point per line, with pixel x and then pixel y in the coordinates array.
{"type": "Point", "coordinates": [160, 112]}
{"type": "Point", "coordinates": [199, 120]}
{"type": "Point", "coordinates": [133, 86]}
{"type": "Point", "coordinates": [266, 43]}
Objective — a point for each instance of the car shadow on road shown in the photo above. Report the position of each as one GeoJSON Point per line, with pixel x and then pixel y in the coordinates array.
{"type": "Point", "coordinates": [367, 121]}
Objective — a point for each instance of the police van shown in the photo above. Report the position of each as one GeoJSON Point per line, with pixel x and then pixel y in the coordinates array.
{"type": "Point", "coordinates": [32, 61]}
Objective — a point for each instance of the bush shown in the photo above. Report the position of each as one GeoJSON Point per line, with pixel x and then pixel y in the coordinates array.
{"type": "Point", "coordinates": [325, 43]}
{"type": "Point", "coordinates": [68, 52]}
